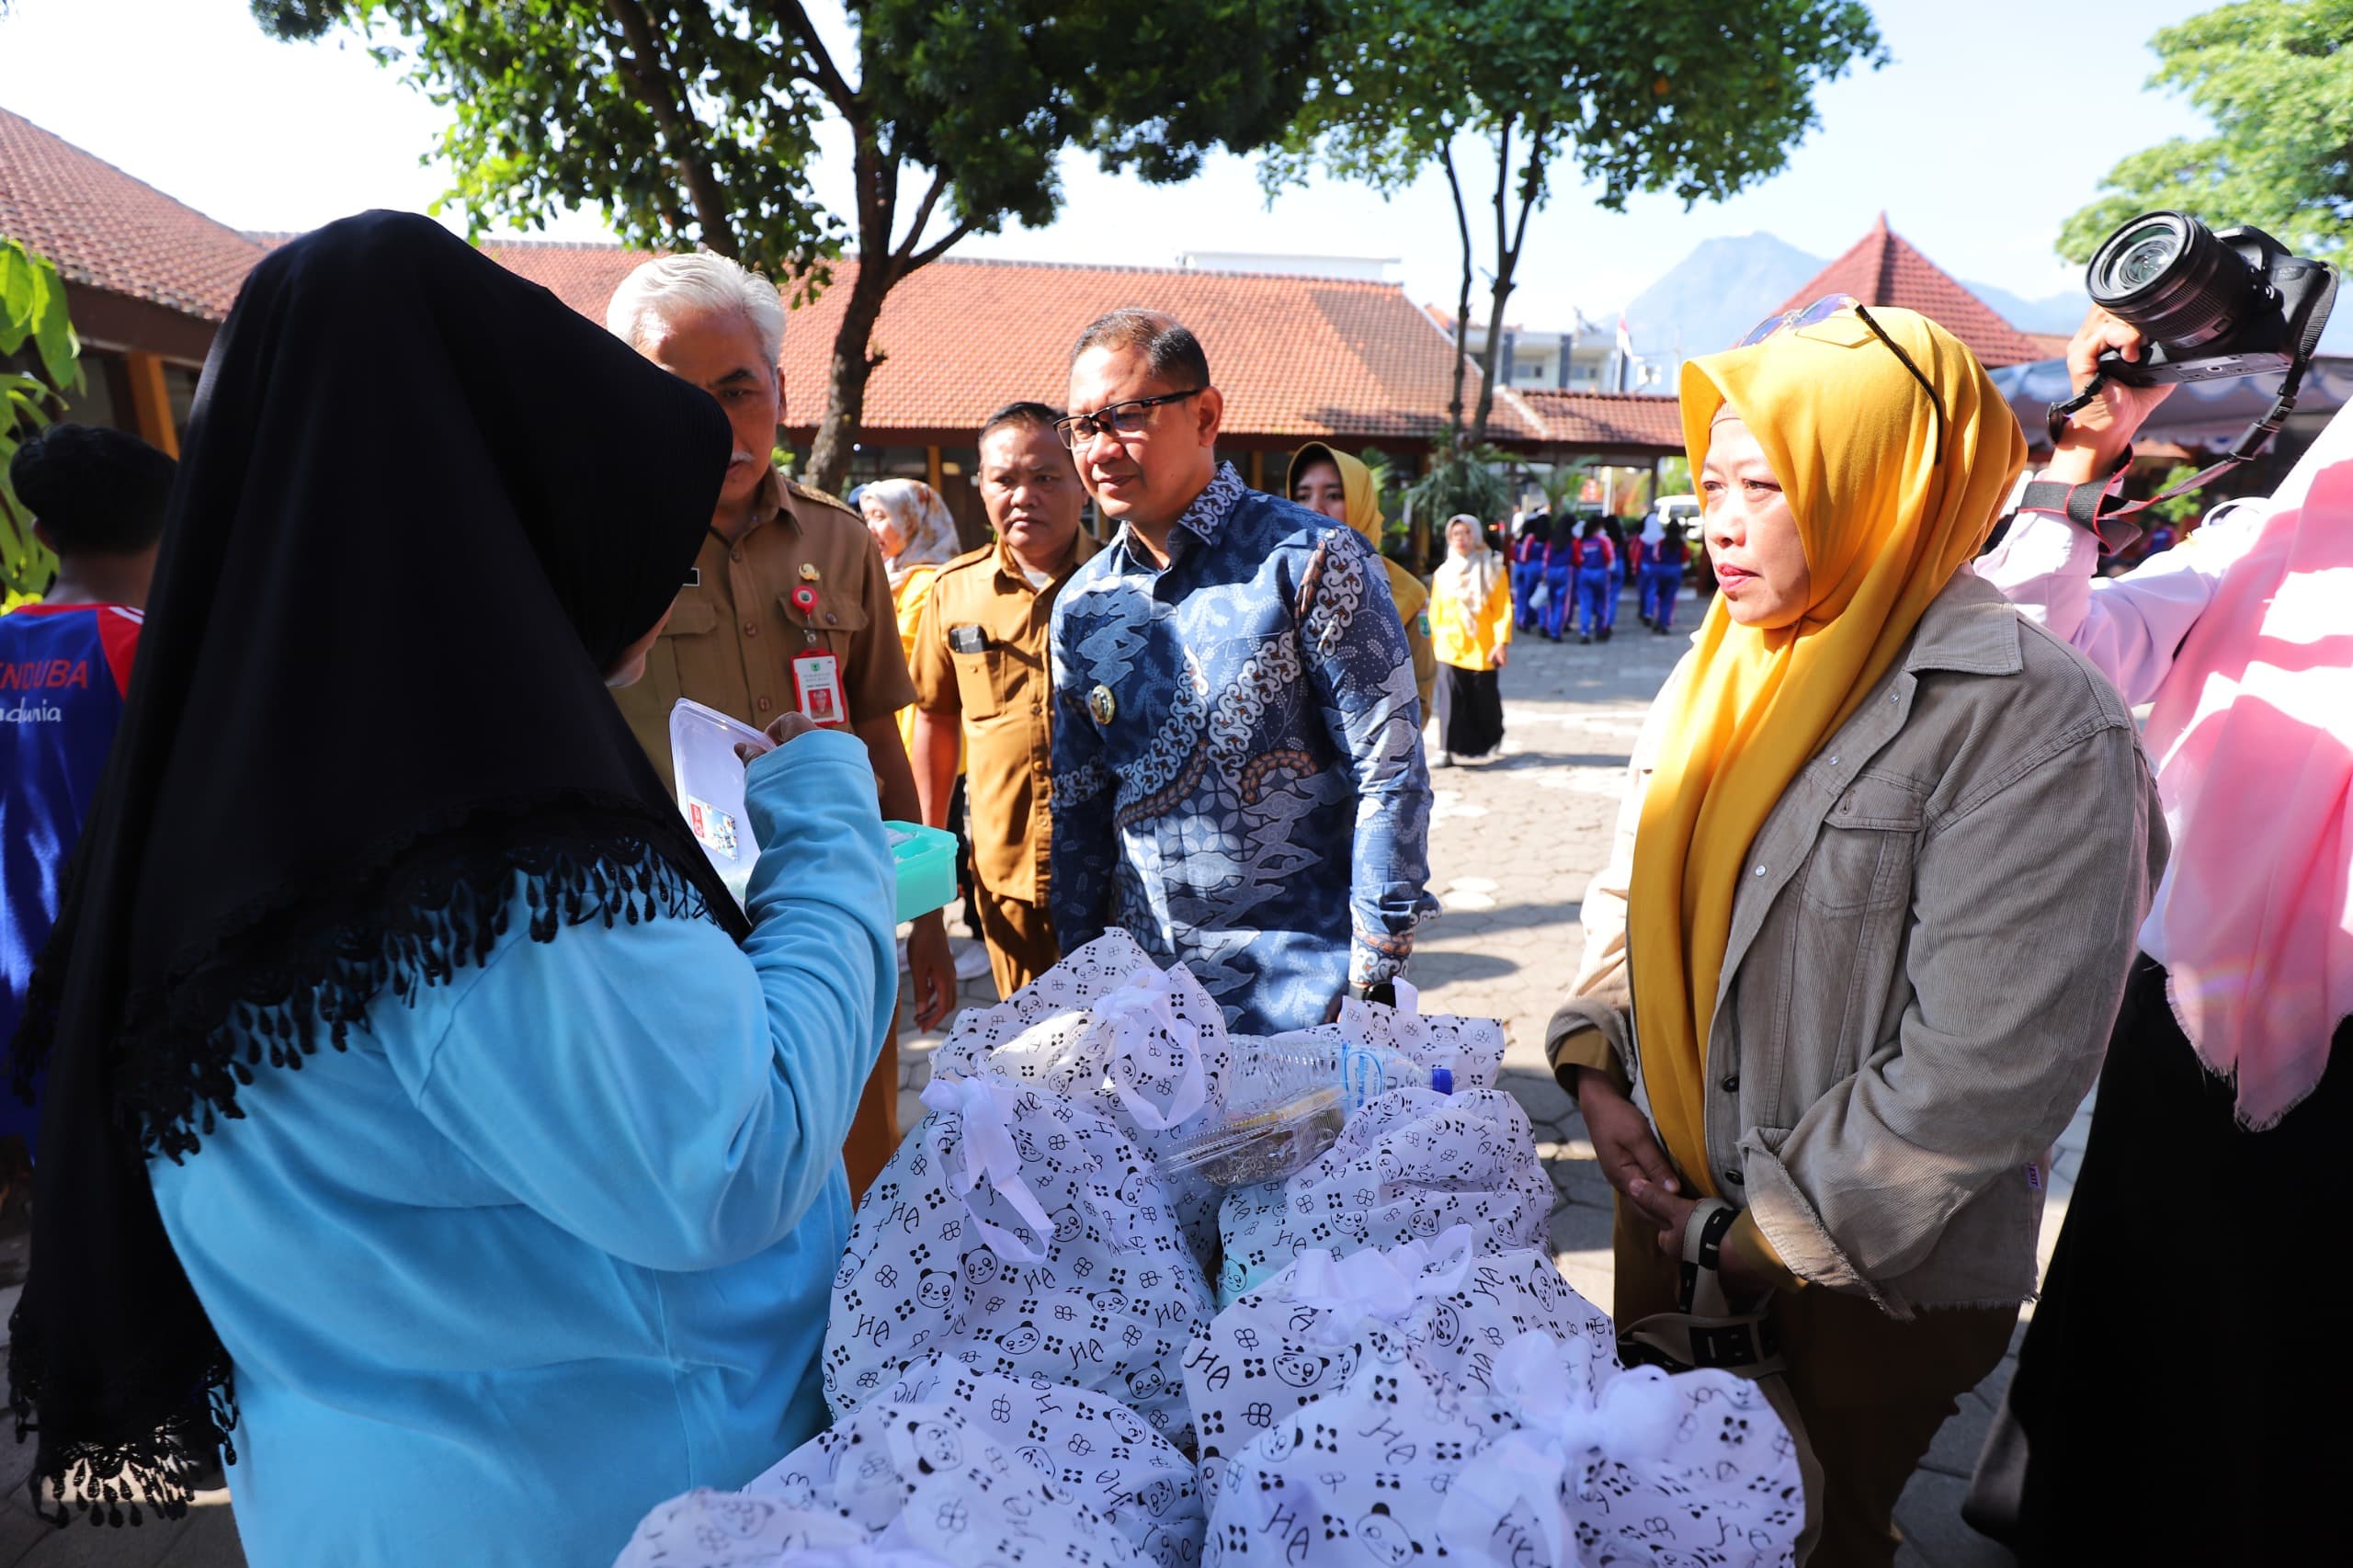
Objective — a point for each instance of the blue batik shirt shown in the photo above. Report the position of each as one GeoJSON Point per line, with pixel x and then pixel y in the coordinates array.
{"type": "Point", "coordinates": [1237, 758]}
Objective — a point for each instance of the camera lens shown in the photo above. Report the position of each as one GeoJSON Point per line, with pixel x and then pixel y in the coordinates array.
{"type": "Point", "coordinates": [2143, 259]}
{"type": "Point", "coordinates": [2166, 274]}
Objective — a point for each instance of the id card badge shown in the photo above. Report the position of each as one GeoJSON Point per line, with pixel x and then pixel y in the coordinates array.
{"type": "Point", "coordinates": [817, 681]}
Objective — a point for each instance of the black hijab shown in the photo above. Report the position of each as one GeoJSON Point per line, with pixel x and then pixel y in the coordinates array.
{"type": "Point", "coordinates": [425, 505]}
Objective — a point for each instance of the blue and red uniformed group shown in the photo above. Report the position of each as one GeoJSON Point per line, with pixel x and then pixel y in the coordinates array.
{"type": "Point", "coordinates": [1568, 574]}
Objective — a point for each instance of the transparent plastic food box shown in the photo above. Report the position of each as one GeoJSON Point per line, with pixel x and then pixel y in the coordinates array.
{"type": "Point", "coordinates": [711, 794]}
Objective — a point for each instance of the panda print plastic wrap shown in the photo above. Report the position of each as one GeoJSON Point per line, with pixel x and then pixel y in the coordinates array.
{"type": "Point", "coordinates": [1569, 1461]}
{"type": "Point", "coordinates": [1300, 1335]}
{"type": "Point", "coordinates": [1089, 1445]}
{"type": "Point", "coordinates": [1142, 1047]}
{"type": "Point", "coordinates": [1408, 1166]}
{"type": "Point", "coordinates": [915, 1484]}
{"type": "Point", "coordinates": [709, 1528]}
{"type": "Point", "coordinates": [1024, 1236]}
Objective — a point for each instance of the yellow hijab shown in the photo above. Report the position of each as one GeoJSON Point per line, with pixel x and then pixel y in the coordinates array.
{"type": "Point", "coordinates": [1851, 437]}
{"type": "Point", "coordinates": [1363, 502]}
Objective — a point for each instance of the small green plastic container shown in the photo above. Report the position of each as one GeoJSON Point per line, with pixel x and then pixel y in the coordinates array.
{"type": "Point", "coordinates": [926, 858]}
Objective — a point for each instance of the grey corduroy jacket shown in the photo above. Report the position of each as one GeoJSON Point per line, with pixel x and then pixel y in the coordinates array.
{"type": "Point", "coordinates": [1926, 953]}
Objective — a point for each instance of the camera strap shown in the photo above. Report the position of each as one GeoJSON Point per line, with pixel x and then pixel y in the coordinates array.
{"type": "Point", "coordinates": [2091, 506]}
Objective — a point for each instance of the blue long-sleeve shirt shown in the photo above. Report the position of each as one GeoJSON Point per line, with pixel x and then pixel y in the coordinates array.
{"type": "Point", "coordinates": [556, 1242]}
{"type": "Point", "coordinates": [1238, 777]}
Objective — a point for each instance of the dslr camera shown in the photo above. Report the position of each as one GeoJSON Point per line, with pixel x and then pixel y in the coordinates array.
{"type": "Point", "coordinates": [2212, 305]}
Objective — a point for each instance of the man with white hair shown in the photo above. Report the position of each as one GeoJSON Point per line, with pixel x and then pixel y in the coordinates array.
{"type": "Point", "coordinates": [788, 606]}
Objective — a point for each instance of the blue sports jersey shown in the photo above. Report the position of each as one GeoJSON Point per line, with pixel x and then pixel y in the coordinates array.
{"type": "Point", "coordinates": [64, 671]}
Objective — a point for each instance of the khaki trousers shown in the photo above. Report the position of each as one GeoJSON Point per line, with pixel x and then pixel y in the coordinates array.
{"type": "Point", "coordinates": [1021, 939]}
{"type": "Point", "coordinates": [1869, 1391]}
{"type": "Point", "coordinates": [874, 1133]}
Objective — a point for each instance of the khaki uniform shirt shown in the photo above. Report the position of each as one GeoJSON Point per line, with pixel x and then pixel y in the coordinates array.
{"type": "Point", "coordinates": [1004, 691]}
{"type": "Point", "coordinates": [733, 634]}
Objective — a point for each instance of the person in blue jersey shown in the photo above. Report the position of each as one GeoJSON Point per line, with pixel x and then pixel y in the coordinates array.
{"type": "Point", "coordinates": [1595, 558]}
{"type": "Point", "coordinates": [97, 498]}
{"type": "Point", "coordinates": [1528, 548]}
{"type": "Point", "coordinates": [544, 1228]}
{"type": "Point", "coordinates": [1560, 560]}
{"type": "Point", "coordinates": [1238, 777]}
{"type": "Point", "coordinates": [1619, 567]}
{"type": "Point", "coordinates": [1665, 550]}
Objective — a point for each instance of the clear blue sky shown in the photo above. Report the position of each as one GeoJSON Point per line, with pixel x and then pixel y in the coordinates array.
{"type": "Point", "coordinates": [1995, 121]}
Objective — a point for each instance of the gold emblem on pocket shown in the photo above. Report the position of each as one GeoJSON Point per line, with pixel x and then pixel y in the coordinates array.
{"type": "Point", "coordinates": [1102, 704]}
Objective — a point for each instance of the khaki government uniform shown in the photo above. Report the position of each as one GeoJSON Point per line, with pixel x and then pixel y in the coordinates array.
{"type": "Point", "coordinates": [1004, 693]}
{"type": "Point", "coordinates": [730, 644]}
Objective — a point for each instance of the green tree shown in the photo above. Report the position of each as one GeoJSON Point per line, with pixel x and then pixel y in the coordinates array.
{"type": "Point", "coordinates": [696, 121]}
{"type": "Point", "coordinates": [32, 312]}
{"type": "Point", "coordinates": [1631, 95]}
{"type": "Point", "coordinates": [2272, 76]}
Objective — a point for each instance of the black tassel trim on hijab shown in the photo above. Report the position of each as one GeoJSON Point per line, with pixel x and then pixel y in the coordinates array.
{"type": "Point", "coordinates": [269, 997]}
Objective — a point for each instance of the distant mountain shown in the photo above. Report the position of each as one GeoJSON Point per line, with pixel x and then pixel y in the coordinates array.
{"type": "Point", "coordinates": [2056, 313]}
{"type": "Point", "coordinates": [1707, 300]}
{"type": "Point", "coordinates": [1712, 296]}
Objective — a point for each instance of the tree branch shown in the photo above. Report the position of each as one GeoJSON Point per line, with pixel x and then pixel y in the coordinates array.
{"type": "Point", "coordinates": [823, 70]}
{"type": "Point", "coordinates": [660, 93]}
{"type": "Point", "coordinates": [1462, 300]}
{"type": "Point", "coordinates": [907, 247]}
{"type": "Point", "coordinates": [932, 253]}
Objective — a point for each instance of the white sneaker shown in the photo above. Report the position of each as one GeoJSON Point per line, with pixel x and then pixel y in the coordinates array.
{"type": "Point", "coordinates": [972, 960]}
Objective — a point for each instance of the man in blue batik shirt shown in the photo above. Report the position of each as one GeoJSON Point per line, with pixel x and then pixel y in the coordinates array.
{"type": "Point", "coordinates": [1237, 756]}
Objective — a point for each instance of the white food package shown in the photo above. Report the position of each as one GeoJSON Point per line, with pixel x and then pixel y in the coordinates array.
{"type": "Point", "coordinates": [1299, 1337]}
{"type": "Point", "coordinates": [1144, 1047]}
{"type": "Point", "coordinates": [1569, 1461]}
{"type": "Point", "coordinates": [901, 1485]}
{"type": "Point", "coordinates": [1022, 1234]}
{"type": "Point", "coordinates": [1410, 1164]}
{"type": "Point", "coordinates": [1088, 1447]}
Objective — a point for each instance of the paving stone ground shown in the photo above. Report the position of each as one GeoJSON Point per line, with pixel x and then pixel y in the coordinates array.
{"type": "Point", "coordinates": [1513, 842]}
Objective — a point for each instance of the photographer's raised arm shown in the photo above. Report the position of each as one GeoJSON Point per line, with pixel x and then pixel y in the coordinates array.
{"type": "Point", "coordinates": [2129, 626]}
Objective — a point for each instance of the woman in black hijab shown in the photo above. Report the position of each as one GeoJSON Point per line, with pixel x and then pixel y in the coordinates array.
{"type": "Point", "coordinates": [542, 1231]}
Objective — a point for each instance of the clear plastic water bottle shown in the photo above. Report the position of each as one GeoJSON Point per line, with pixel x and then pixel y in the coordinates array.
{"type": "Point", "coordinates": [1285, 1106]}
{"type": "Point", "coordinates": [1263, 1079]}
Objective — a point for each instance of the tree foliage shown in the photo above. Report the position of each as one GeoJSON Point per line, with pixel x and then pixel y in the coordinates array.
{"type": "Point", "coordinates": [1633, 96]}
{"type": "Point", "coordinates": [697, 122]}
{"type": "Point", "coordinates": [1469, 482]}
{"type": "Point", "coordinates": [32, 315]}
{"type": "Point", "coordinates": [2272, 76]}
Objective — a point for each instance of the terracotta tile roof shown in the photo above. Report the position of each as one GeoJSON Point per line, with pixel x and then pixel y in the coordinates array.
{"type": "Point", "coordinates": [1883, 268]}
{"type": "Point", "coordinates": [1609, 419]}
{"type": "Point", "coordinates": [1628, 419]}
{"type": "Point", "coordinates": [583, 277]}
{"type": "Point", "coordinates": [108, 231]}
{"type": "Point", "coordinates": [2052, 343]}
{"type": "Point", "coordinates": [1296, 356]}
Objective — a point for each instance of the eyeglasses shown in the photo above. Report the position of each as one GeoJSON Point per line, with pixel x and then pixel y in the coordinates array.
{"type": "Point", "coordinates": [1127, 418]}
{"type": "Point", "coordinates": [1821, 310]}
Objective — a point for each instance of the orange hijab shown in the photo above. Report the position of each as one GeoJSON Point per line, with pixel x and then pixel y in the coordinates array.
{"type": "Point", "coordinates": [1852, 437]}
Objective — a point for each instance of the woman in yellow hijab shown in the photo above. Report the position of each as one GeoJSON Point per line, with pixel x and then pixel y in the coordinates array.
{"type": "Point", "coordinates": [1885, 847]}
{"type": "Point", "coordinates": [1325, 479]}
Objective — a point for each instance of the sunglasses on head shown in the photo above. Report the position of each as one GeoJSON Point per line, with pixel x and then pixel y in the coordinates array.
{"type": "Point", "coordinates": [1821, 310]}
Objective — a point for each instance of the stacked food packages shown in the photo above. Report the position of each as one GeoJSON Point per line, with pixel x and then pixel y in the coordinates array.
{"type": "Point", "coordinates": [1136, 1289]}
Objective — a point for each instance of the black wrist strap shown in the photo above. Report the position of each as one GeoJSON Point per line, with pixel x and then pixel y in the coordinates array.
{"type": "Point", "coordinates": [2091, 508]}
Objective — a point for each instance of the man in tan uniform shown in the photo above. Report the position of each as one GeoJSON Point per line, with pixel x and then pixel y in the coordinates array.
{"type": "Point", "coordinates": [979, 671]}
{"type": "Point", "coordinates": [787, 608]}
